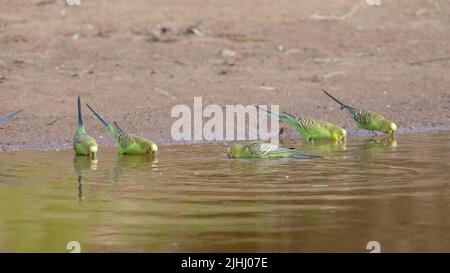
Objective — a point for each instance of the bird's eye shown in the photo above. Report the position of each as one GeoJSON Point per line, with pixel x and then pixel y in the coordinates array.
{"type": "Point", "coordinates": [148, 152]}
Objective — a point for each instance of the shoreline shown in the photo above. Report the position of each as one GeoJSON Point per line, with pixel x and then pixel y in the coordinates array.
{"type": "Point", "coordinates": [290, 137]}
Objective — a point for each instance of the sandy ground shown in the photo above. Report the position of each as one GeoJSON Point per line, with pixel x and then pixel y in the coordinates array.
{"type": "Point", "coordinates": [135, 60]}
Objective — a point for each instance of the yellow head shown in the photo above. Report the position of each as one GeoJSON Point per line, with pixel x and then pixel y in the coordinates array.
{"type": "Point", "coordinates": [150, 148]}
{"type": "Point", "coordinates": [338, 134]}
{"type": "Point", "coordinates": [388, 127]}
{"type": "Point", "coordinates": [235, 150]}
{"type": "Point", "coordinates": [393, 128]}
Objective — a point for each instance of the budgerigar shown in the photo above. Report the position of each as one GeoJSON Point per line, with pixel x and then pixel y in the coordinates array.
{"type": "Point", "coordinates": [261, 149]}
{"type": "Point", "coordinates": [8, 117]}
{"type": "Point", "coordinates": [312, 129]}
{"type": "Point", "coordinates": [128, 143]}
{"type": "Point", "coordinates": [83, 144]}
{"type": "Point", "coordinates": [367, 120]}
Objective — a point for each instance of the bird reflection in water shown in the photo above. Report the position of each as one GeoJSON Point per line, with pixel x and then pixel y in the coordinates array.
{"type": "Point", "coordinates": [82, 165]}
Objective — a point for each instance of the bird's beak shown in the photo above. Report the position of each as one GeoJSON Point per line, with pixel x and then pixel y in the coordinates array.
{"type": "Point", "coordinates": [93, 151]}
{"type": "Point", "coordinates": [229, 153]}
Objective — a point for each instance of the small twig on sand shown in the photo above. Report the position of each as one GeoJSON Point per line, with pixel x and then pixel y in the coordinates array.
{"type": "Point", "coordinates": [52, 122]}
{"type": "Point", "coordinates": [431, 60]}
{"type": "Point", "coordinates": [43, 2]}
{"type": "Point", "coordinates": [338, 17]}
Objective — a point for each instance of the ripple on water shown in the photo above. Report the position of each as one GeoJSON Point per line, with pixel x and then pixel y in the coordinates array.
{"type": "Point", "coordinates": [192, 198]}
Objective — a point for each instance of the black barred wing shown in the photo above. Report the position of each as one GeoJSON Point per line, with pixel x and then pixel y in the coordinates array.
{"type": "Point", "coordinates": [311, 125]}
{"type": "Point", "coordinates": [362, 117]}
{"type": "Point", "coordinates": [261, 148]}
{"type": "Point", "coordinates": [124, 138]}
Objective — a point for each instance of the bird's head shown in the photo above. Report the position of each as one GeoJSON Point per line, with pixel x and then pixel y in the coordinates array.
{"type": "Point", "coordinates": [339, 134]}
{"type": "Point", "coordinates": [235, 150]}
{"type": "Point", "coordinates": [388, 127]}
{"type": "Point", "coordinates": [393, 128]}
{"type": "Point", "coordinates": [150, 148]}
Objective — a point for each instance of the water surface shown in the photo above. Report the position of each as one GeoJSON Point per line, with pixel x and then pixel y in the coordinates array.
{"type": "Point", "coordinates": [192, 198]}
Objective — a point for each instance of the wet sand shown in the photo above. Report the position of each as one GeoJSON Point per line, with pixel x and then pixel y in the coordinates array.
{"type": "Point", "coordinates": [134, 60]}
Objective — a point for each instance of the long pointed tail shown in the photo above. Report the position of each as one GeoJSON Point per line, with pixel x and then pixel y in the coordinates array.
{"type": "Point", "coordinates": [286, 117]}
{"type": "Point", "coordinates": [106, 124]}
{"type": "Point", "coordinates": [336, 100]}
{"type": "Point", "coordinates": [300, 155]}
{"type": "Point", "coordinates": [283, 116]}
{"type": "Point", "coordinates": [290, 152]}
{"type": "Point", "coordinates": [80, 118]}
{"type": "Point", "coordinates": [268, 112]}
{"type": "Point", "coordinates": [8, 117]}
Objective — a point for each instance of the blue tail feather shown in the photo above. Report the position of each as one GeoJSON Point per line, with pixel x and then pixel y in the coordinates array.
{"type": "Point", "coordinates": [267, 111]}
{"type": "Point", "coordinates": [283, 116]}
{"type": "Point", "coordinates": [300, 155]}
{"type": "Point", "coordinates": [106, 124]}
{"type": "Point", "coordinates": [8, 117]}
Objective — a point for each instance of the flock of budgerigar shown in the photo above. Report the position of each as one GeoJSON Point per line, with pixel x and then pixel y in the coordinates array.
{"type": "Point", "coordinates": [313, 129]}
{"type": "Point", "coordinates": [128, 143]}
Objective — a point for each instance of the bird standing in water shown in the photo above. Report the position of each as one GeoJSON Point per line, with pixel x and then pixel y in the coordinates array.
{"type": "Point", "coordinates": [367, 120]}
{"type": "Point", "coordinates": [127, 143]}
{"type": "Point", "coordinates": [312, 129]}
{"type": "Point", "coordinates": [84, 144]}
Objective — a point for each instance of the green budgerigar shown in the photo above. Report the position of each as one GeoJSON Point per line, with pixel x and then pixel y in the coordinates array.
{"type": "Point", "coordinates": [367, 120]}
{"type": "Point", "coordinates": [128, 143]}
{"type": "Point", "coordinates": [261, 149]}
{"type": "Point", "coordinates": [84, 144]}
{"type": "Point", "coordinates": [8, 117]}
{"type": "Point", "coordinates": [312, 129]}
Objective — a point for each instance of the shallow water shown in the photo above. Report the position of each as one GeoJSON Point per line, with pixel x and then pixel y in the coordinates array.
{"type": "Point", "coordinates": [192, 198]}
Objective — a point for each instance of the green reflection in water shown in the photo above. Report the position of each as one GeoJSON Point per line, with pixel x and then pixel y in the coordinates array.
{"type": "Point", "coordinates": [192, 198]}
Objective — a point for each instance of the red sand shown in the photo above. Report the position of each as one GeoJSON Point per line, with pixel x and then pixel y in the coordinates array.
{"type": "Point", "coordinates": [135, 60]}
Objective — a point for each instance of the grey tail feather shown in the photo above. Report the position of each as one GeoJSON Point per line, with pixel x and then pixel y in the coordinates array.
{"type": "Point", "coordinates": [336, 100]}
{"type": "Point", "coordinates": [99, 117]}
{"type": "Point", "coordinates": [80, 118]}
